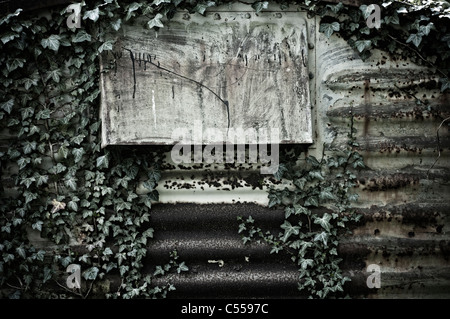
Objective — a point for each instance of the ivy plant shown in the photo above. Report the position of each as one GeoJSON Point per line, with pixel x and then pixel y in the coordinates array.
{"type": "Point", "coordinates": [318, 209]}
{"type": "Point", "coordinates": [62, 184]}
{"type": "Point", "coordinates": [82, 199]}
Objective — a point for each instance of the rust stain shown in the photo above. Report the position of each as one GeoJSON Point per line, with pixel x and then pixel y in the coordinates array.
{"type": "Point", "coordinates": [384, 183]}
{"type": "Point", "coordinates": [366, 105]}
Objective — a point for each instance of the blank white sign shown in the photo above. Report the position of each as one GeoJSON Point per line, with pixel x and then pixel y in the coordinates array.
{"type": "Point", "coordinates": [223, 71]}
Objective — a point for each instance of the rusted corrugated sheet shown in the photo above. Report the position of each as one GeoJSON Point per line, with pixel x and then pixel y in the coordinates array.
{"type": "Point", "coordinates": [397, 109]}
{"type": "Point", "coordinates": [403, 195]}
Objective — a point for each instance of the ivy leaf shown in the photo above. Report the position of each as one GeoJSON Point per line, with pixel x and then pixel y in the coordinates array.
{"type": "Point", "coordinates": [131, 196]}
{"type": "Point", "coordinates": [148, 233]}
{"type": "Point", "coordinates": [66, 261]}
{"type": "Point", "coordinates": [392, 19]}
{"type": "Point", "coordinates": [23, 161]}
{"type": "Point", "coordinates": [323, 236]}
{"type": "Point", "coordinates": [336, 8]}
{"type": "Point", "coordinates": [153, 195]}
{"type": "Point", "coordinates": [304, 246]}
{"type": "Point", "coordinates": [21, 252]}
{"type": "Point", "coordinates": [121, 205]}
{"type": "Point", "coordinates": [130, 10]}
{"type": "Point", "coordinates": [43, 114]}
{"type": "Point", "coordinates": [39, 255]}
{"type": "Point", "coordinates": [149, 184]}
{"type": "Point", "coordinates": [280, 172]}
{"type": "Point", "coordinates": [63, 151]}
{"type": "Point", "coordinates": [445, 84]}
{"type": "Point", "coordinates": [159, 271]}
{"type": "Point", "coordinates": [78, 139]}
{"type": "Point", "coordinates": [123, 269]}
{"type": "Point", "coordinates": [415, 38]}
{"type": "Point", "coordinates": [366, 11]}
{"type": "Point", "coordinates": [155, 22]}
{"type": "Point", "coordinates": [14, 64]}
{"type": "Point", "coordinates": [59, 168]}
{"type": "Point", "coordinates": [91, 273]}
{"type": "Point", "coordinates": [324, 221]}
{"type": "Point", "coordinates": [73, 205]}
{"type": "Point", "coordinates": [446, 38]}
{"type": "Point", "coordinates": [304, 263]}
{"type": "Point", "coordinates": [41, 179]}
{"type": "Point", "coordinates": [258, 6]}
{"type": "Point", "coordinates": [102, 161]}
{"type": "Point", "coordinates": [9, 36]}
{"type": "Point", "coordinates": [274, 199]}
{"type": "Point", "coordinates": [182, 267]}
{"type": "Point", "coordinates": [275, 249]}
{"type": "Point", "coordinates": [6, 228]}
{"type": "Point", "coordinates": [425, 29]}
{"type": "Point", "coordinates": [37, 225]}
{"type": "Point", "coordinates": [26, 113]}
{"type": "Point", "coordinates": [110, 266]}
{"type": "Point", "coordinates": [133, 6]}
{"type": "Point", "coordinates": [296, 210]}
{"type": "Point", "coordinates": [8, 257]}
{"type": "Point", "coordinates": [329, 28]}
{"type": "Point", "coordinates": [154, 175]}
{"type": "Point", "coordinates": [158, 2]}
{"type": "Point", "coordinates": [48, 274]}
{"type": "Point", "coordinates": [300, 182]}
{"type": "Point", "coordinates": [313, 161]}
{"type": "Point", "coordinates": [92, 14]}
{"type": "Point", "coordinates": [8, 105]}
{"type": "Point", "coordinates": [9, 16]}
{"type": "Point", "coordinates": [147, 201]}
{"type": "Point", "coordinates": [312, 201]}
{"type": "Point", "coordinates": [201, 7]}
{"type": "Point", "coordinates": [361, 45]}
{"type": "Point", "coordinates": [116, 24]}
{"type": "Point", "coordinates": [28, 147]}
{"type": "Point", "coordinates": [326, 194]}
{"type": "Point", "coordinates": [78, 154]}
{"type": "Point", "coordinates": [316, 175]}
{"type": "Point", "coordinates": [29, 82]}
{"type": "Point", "coordinates": [106, 46]}
{"type": "Point", "coordinates": [52, 42]}
{"type": "Point", "coordinates": [71, 183]}
{"type": "Point", "coordinates": [309, 282]}
{"type": "Point", "coordinates": [107, 251]}
{"type": "Point", "coordinates": [27, 181]}
{"type": "Point", "coordinates": [81, 36]}
{"type": "Point", "coordinates": [289, 230]}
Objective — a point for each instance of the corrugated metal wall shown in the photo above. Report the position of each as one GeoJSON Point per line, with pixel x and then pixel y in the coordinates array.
{"type": "Point", "coordinates": [405, 204]}
{"type": "Point", "coordinates": [404, 200]}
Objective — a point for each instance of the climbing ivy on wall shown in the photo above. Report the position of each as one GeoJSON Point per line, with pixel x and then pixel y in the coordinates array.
{"type": "Point", "coordinates": [78, 196]}
{"type": "Point", "coordinates": [83, 199]}
{"type": "Point", "coordinates": [318, 212]}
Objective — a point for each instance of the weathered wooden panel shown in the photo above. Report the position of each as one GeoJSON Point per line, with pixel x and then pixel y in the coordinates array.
{"type": "Point", "coordinates": [246, 72]}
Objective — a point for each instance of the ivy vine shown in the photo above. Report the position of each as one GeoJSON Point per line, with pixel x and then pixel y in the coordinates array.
{"type": "Point", "coordinates": [83, 200]}
{"type": "Point", "coordinates": [318, 211]}
{"type": "Point", "coordinates": [62, 184]}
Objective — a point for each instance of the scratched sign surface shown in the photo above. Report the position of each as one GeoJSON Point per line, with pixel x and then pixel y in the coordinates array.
{"type": "Point", "coordinates": [228, 70]}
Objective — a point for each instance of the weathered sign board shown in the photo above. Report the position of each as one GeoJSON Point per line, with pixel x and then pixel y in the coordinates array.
{"type": "Point", "coordinates": [224, 71]}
